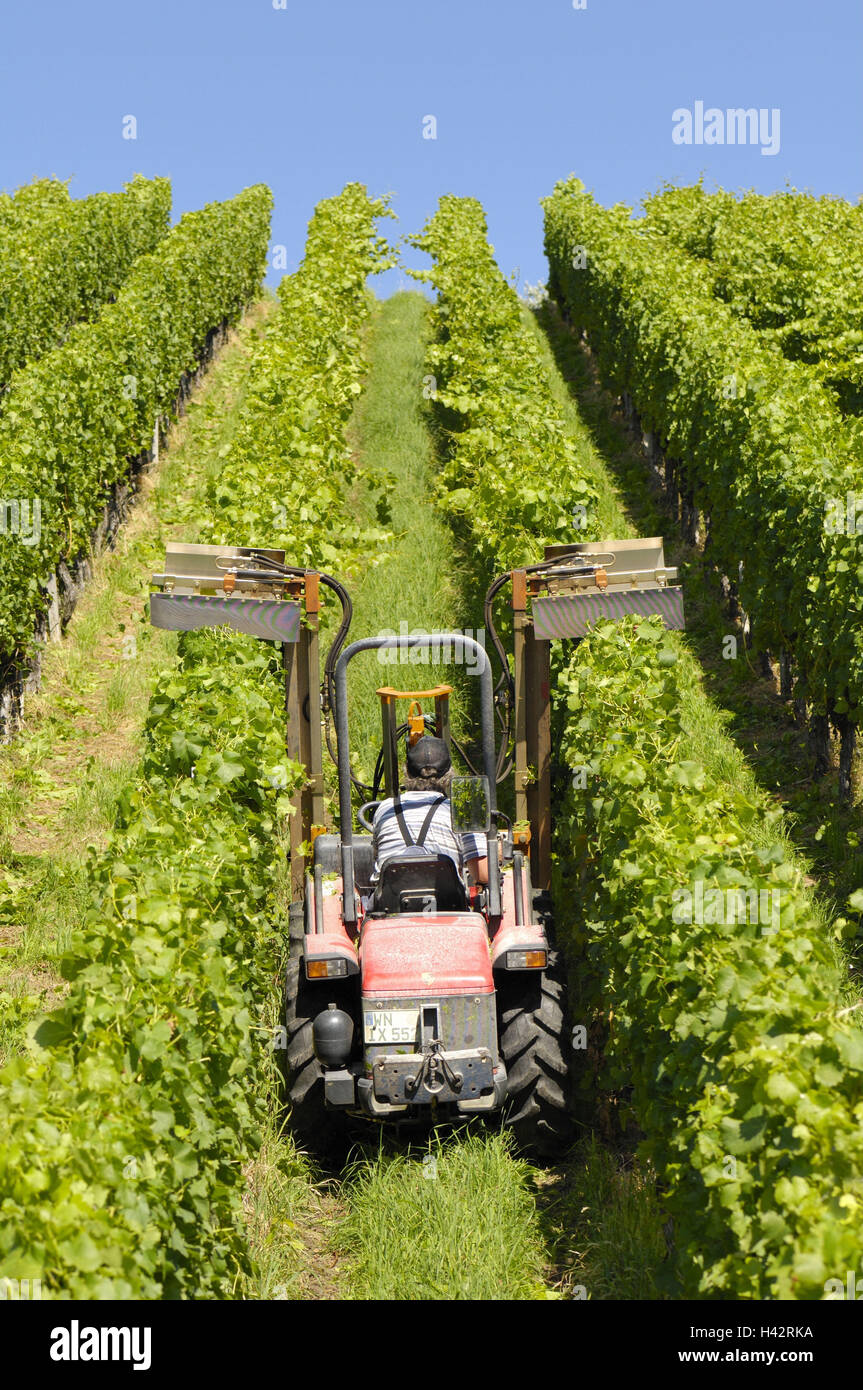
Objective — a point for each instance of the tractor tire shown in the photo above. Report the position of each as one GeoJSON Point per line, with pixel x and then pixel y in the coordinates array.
{"type": "Point", "coordinates": [319, 1131]}
{"type": "Point", "coordinates": [296, 924]}
{"type": "Point", "coordinates": [535, 1047]}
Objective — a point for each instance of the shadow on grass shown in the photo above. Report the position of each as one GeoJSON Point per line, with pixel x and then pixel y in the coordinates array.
{"type": "Point", "coordinates": [602, 1223]}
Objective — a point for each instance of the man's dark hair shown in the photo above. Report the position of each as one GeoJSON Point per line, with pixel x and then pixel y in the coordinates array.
{"type": "Point", "coordinates": [429, 784]}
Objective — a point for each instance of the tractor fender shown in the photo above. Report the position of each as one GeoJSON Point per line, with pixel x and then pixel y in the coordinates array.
{"type": "Point", "coordinates": [528, 937]}
{"type": "Point", "coordinates": [331, 946]}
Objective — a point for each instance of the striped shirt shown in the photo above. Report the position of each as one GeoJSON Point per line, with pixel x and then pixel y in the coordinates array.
{"type": "Point", "coordinates": [440, 836]}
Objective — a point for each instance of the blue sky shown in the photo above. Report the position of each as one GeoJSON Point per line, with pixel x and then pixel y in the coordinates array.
{"type": "Point", "coordinates": [309, 96]}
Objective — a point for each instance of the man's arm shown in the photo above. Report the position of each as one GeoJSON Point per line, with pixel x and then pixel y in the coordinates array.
{"type": "Point", "coordinates": [476, 867]}
{"type": "Point", "coordinates": [476, 870]}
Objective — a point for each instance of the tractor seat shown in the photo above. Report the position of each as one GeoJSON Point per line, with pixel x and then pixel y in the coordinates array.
{"type": "Point", "coordinates": [419, 882]}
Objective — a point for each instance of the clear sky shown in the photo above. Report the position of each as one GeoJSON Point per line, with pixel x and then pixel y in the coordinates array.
{"type": "Point", "coordinates": [308, 94]}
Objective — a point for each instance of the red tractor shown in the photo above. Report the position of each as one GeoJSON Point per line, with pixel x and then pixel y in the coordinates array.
{"type": "Point", "coordinates": [415, 997]}
{"type": "Point", "coordinates": [412, 997]}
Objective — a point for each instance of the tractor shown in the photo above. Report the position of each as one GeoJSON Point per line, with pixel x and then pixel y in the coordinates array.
{"type": "Point", "coordinates": [413, 998]}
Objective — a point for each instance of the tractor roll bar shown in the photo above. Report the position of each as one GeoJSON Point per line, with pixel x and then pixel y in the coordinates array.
{"type": "Point", "coordinates": [460, 644]}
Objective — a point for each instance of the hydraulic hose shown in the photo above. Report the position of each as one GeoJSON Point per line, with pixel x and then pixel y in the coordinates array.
{"type": "Point", "coordinates": [328, 683]}
{"type": "Point", "coordinates": [401, 730]}
{"type": "Point", "coordinates": [504, 692]}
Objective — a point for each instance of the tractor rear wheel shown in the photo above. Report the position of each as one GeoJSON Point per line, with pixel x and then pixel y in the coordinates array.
{"type": "Point", "coordinates": [316, 1129]}
{"type": "Point", "coordinates": [535, 1047]}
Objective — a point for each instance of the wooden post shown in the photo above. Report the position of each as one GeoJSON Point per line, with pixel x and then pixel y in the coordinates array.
{"type": "Point", "coordinates": [848, 738]}
{"type": "Point", "coordinates": [313, 757]}
{"type": "Point", "coordinates": [520, 625]}
{"type": "Point", "coordinates": [441, 719]}
{"type": "Point", "coordinates": [293, 747]}
{"type": "Point", "coordinates": [819, 743]}
{"type": "Point", "coordinates": [538, 716]}
{"type": "Point", "coordinates": [391, 763]}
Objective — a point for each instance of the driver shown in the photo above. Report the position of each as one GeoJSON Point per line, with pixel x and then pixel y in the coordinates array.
{"type": "Point", "coordinates": [420, 816]}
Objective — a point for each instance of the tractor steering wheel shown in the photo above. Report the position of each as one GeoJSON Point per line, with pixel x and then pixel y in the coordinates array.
{"type": "Point", "coordinates": [361, 814]}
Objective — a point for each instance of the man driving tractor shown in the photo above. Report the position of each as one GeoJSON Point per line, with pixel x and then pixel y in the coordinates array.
{"type": "Point", "coordinates": [420, 816]}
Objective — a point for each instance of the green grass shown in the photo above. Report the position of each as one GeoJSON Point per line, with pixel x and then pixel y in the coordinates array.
{"type": "Point", "coordinates": [456, 1220]}
{"type": "Point", "coordinates": [603, 1223]}
{"type": "Point", "coordinates": [290, 1212]}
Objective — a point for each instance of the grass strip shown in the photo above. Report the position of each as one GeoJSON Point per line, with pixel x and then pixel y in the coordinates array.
{"type": "Point", "coordinates": [602, 1219]}
{"type": "Point", "coordinates": [454, 1221]}
{"type": "Point", "coordinates": [413, 582]}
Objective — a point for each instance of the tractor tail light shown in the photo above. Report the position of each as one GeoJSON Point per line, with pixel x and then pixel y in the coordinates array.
{"type": "Point", "coordinates": [526, 960]}
{"type": "Point", "coordinates": [326, 969]}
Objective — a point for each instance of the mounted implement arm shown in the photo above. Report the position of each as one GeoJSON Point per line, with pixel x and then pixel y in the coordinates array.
{"type": "Point", "coordinates": [255, 592]}
{"type": "Point", "coordinates": [560, 598]}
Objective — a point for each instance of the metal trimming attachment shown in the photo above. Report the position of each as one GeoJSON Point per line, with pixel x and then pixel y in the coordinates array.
{"type": "Point", "coordinates": [251, 590]}
{"type": "Point", "coordinates": [559, 598]}
{"type": "Point", "coordinates": [216, 585]}
{"type": "Point", "coordinates": [627, 576]}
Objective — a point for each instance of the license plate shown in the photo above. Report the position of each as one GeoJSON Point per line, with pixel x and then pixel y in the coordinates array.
{"type": "Point", "coordinates": [391, 1025]}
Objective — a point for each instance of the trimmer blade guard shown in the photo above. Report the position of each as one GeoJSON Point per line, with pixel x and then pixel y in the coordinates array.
{"type": "Point", "coordinates": [222, 585]}
{"type": "Point", "coordinates": [632, 578]}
